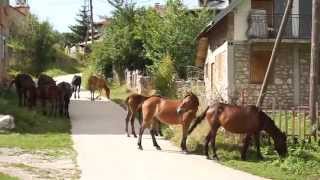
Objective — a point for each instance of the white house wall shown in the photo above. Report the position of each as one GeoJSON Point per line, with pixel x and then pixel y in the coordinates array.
{"type": "Point", "coordinates": [216, 75]}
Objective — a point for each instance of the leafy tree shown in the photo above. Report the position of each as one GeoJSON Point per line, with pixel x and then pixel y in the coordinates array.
{"type": "Point", "coordinates": [80, 30]}
{"type": "Point", "coordinates": [34, 45]}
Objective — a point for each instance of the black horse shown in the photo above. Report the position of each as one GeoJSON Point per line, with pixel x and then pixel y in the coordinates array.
{"type": "Point", "coordinates": [76, 85]}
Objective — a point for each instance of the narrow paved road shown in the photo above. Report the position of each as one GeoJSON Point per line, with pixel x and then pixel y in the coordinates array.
{"type": "Point", "coordinates": [104, 152]}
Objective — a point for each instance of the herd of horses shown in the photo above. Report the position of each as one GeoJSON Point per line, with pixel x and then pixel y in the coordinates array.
{"type": "Point", "coordinates": [47, 91]}
{"type": "Point", "coordinates": [249, 120]}
{"type": "Point", "coordinates": [155, 109]}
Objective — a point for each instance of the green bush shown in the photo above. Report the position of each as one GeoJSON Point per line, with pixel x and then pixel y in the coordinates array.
{"type": "Point", "coordinates": [164, 77]}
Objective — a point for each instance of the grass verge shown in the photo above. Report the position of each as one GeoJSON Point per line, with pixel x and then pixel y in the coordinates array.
{"type": "Point", "coordinates": [34, 131]}
{"type": "Point", "coordinates": [119, 93]}
{"type": "Point", "coordinates": [303, 161]}
{"type": "Point", "coordinates": [6, 177]}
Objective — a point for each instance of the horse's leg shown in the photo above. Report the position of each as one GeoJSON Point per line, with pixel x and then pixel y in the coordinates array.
{"type": "Point", "coordinates": [185, 127]}
{"type": "Point", "coordinates": [74, 91]}
{"type": "Point", "coordinates": [127, 122]}
{"type": "Point", "coordinates": [79, 92]}
{"type": "Point", "coordinates": [206, 145]}
{"type": "Point", "coordinates": [154, 141]}
{"type": "Point", "coordinates": [257, 141]}
{"type": "Point", "coordinates": [214, 130]}
{"type": "Point", "coordinates": [142, 128]}
{"type": "Point", "coordinates": [246, 143]}
{"type": "Point", "coordinates": [132, 118]}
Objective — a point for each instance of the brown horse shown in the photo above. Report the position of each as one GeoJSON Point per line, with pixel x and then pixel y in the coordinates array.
{"type": "Point", "coordinates": [44, 82]}
{"type": "Point", "coordinates": [96, 83]}
{"type": "Point", "coordinates": [26, 90]}
{"type": "Point", "coordinates": [134, 102]}
{"type": "Point", "coordinates": [55, 98]}
{"type": "Point", "coordinates": [247, 120]}
{"type": "Point", "coordinates": [169, 112]}
{"type": "Point", "coordinates": [66, 90]}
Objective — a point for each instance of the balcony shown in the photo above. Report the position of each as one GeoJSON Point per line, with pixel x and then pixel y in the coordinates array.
{"type": "Point", "coordinates": [266, 26]}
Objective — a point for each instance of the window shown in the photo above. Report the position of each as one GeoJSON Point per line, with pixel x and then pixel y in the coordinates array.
{"type": "Point", "coordinates": [259, 61]}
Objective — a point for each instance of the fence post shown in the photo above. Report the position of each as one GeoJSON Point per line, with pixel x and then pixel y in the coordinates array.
{"type": "Point", "coordinates": [293, 124]}
{"type": "Point", "coordinates": [280, 116]}
{"type": "Point", "coordinates": [286, 120]}
{"type": "Point", "coordinates": [304, 125]}
{"type": "Point", "coordinates": [299, 121]}
{"type": "Point", "coordinates": [317, 121]}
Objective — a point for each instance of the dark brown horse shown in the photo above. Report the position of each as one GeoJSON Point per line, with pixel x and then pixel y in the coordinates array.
{"type": "Point", "coordinates": [55, 98]}
{"type": "Point", "coordinates": [44, 82]}
{"type": "Point", "coordinates": [96, 83]}
{"type": "Point", "coordinates": [66, 91]}
{"type": "Point", "coordinates": [169, 112]}
{"type": "Point", "coordinates": [247, 120]}
{"type": "Point", "coordinates": [134, 102]}
{"type": "Point", "coordinates": [76, 85]}
{"type": "Point", "coordinates": [26, 90]}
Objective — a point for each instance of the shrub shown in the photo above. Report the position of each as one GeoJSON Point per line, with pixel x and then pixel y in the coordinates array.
{"type": "Point", "coordinates": [164, 77]}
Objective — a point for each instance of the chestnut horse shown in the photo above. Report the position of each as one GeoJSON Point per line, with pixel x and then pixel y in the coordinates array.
{"type": "Point", "coordinates": [169, 112]}
{"type": "Point", "coordinates": [96, 83]}
{"type": "Point", "coordinates": [134, 102]}
{"type": "Point", "coordinates": [248, 120]}
{"type": "Point", "coordinates": [26, 90]}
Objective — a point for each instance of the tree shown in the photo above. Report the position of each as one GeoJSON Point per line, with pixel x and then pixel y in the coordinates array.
{"type": "Point", "coordinates": [34, 45]}
{"type": "Point", "coordinates": [80, 30]}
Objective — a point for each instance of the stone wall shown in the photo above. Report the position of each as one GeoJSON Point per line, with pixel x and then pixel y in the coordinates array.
{"type": "Point", "coordinates": [195, 86]}
{"type": "Point", "coordinates": [289, 81]}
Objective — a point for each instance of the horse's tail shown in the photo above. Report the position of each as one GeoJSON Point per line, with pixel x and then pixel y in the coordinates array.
{"type": "Point", "coordinates": [198, 120]}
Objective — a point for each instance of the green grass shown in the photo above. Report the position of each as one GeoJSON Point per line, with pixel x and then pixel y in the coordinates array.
{"type": "Point", "coordinates": [119, 93]}
{"type": "Point", "coordinates": [7, 177]}
{"type": "Point", "coordinates": [33, 131]}
{"type": "Point", "coordinates": [303, 161]}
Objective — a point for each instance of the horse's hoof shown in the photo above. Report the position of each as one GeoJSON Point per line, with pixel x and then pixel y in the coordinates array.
{"type": "Point", "coordinates": [135, 136]}
{"type": "Point", "coordinates": [208, 158]}
{"type": "Point", "coordinates": [185, 152]}
{"type": "Point", "coordinates": [215, 158]}
{"type": "Point", "coordinates": [260, 157]}
{"type": "Point", "coordinates": [128, 135]}
{"type": "Point", "coordinates": [140, 148]}
{"type": "Point", "coordinates": [158, 148]}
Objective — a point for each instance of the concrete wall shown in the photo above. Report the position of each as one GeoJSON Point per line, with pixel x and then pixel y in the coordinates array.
{"type": "Point", "coordinates": [241, 14]}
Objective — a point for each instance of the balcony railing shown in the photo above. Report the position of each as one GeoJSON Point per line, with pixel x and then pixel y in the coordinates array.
{"type": "Point", "coordinates": [264, 26]}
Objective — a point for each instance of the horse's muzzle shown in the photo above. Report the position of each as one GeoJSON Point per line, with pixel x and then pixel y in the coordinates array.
{"type": "Point", "coordinates": [179, 110]}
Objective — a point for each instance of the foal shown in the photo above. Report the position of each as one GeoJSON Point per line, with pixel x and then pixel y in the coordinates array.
{"type": "Point", "coordinates": [169, 112]}
{"type": "Point", "coordinates": [247, 120]}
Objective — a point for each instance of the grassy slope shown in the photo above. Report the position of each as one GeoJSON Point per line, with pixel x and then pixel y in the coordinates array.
{"type": "Point", "coordinates": [6, 177]}
{"type": "Point", "coordinates": [64, 65]}
{"type": "Point", "coordinates": [34, 131]}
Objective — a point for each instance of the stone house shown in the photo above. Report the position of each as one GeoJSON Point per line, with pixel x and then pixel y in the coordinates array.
{"type": "Point", "coordinates": [9, 15]}
{"type": "Point", "coordinates": [239, 44]}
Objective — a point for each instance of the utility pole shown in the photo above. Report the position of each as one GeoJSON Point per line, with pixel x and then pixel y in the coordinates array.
{"type": "Point", "coordinates": [274, 52]}
{"type": "Point", "coordinates": [92, 24]}
{"type": "Point", "coordinates": [314, 64]}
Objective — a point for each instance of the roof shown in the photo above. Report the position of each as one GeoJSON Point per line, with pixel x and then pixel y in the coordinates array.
{"type": "Point", "coordinates": [220, 16]}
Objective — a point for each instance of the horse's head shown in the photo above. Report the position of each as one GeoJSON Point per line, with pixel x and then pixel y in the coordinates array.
{"type": "Point", "coordinates": [189, 102]}
{"type": "Point", "coordinates": [280, 143]}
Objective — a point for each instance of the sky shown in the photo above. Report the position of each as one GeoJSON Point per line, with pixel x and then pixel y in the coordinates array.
{"type": "Point", "coordinates": [62, 13]}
